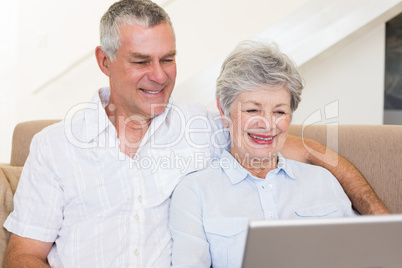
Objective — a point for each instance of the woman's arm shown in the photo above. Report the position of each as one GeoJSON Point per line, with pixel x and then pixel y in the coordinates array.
{"type": "Point", "coordinates": [190, 245]}
{"type": "Point", "coordinates": [363, 197]}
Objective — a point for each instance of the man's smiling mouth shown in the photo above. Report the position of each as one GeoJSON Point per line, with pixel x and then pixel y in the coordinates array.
{"type": "Point", "coordinates": [151, 92]}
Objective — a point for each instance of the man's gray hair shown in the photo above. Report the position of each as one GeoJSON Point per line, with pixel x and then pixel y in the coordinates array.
{"type": "Point", "coordinates": [128, 12]}
{"type": "Point", "coordinates": [253, 65]}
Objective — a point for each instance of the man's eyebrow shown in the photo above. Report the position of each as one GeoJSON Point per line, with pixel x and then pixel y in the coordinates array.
{"type": "Point", "coordinates": [144, 56]}
{"type": "Point", "coordinates": [139, 55]}
{"type": "Point", "coordinates": [171, 54]}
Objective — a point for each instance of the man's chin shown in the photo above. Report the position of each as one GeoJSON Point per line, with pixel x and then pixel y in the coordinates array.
{"type": "Point", "coordinates": [157, 109]}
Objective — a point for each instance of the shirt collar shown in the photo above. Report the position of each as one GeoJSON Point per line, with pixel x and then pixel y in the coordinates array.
{"type": "Point", "coordinates": [96, 120]}
{"type": "Point", "coordinates": [236, 172]}
{"type": "Point", "coordinates": [283, 165]}
{"type": "Point", "coordinates": [157, 121]}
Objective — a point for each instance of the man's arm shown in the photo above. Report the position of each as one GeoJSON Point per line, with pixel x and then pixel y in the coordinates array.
{"type": "Point", "coordinates": [363, 197]}
{"type": "Point", "coordinates": [25, 252]}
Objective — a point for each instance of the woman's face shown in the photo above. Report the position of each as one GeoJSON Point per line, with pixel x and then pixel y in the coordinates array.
{"type": "Point", "coordinates": [259, 124]}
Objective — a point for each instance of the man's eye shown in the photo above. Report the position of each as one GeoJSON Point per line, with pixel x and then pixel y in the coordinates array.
{"type": "Point", "coordinates": [140, 62]}
{"type": "Point", "coordinates": [168, 60]}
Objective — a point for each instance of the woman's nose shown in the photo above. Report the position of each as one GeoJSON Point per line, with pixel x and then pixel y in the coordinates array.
{"type": "Point", "coordinates": [265, 122]}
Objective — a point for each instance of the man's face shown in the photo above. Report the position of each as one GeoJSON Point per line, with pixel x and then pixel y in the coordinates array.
{"type": "Point", "coordinates": [143, 75]}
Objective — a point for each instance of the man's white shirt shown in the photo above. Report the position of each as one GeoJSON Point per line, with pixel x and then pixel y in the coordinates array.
{"type": "Point", "coordinates": [101, 207]}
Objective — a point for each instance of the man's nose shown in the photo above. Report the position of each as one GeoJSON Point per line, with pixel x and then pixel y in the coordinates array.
{"type": "Point", "coordinates": [157, 73]}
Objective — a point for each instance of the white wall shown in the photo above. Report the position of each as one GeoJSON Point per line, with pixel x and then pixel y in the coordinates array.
{"type": "Point", "coordinates": [53, 37]}
{"type": "Point", "coordinates": [353, 76]}
{"type": "Point", "coordinates": [340, 49]}
{"type": "Point", "coordinates": [43, 39]}
{"type": "Point", "coordinates": [209, 29]}
{"type": "Point", "coordinates": [8, 74]}
{"type": "Point", "coordinates": [350, 76]}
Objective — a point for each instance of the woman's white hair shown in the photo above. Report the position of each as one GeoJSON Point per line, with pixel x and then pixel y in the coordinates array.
{"type": "Point", "coordinates": [253, 65]}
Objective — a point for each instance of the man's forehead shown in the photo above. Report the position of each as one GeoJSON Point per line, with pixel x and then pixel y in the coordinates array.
{"type": "Point", "coordinates": [134, 26]}
{"type": "Point", "coordinates": [141, 39]}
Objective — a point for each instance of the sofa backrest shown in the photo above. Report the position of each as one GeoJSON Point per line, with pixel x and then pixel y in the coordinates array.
{"type": "Point", "coordinates": [22, 136]}
{"type": "Point", "coordinates": [375, 150]}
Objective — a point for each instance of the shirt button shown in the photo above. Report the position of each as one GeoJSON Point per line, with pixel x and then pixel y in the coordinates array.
{"type": "Point", "coordinates": [136, 217]}
{"type": "Point", "coordinates": [136, 252]}
{"type": "Point", "coordinates": [140, 199]}
{"type": "Point", "coordinates": [271, 214]}
{"type": "Point", "coordinates": [270, 186]}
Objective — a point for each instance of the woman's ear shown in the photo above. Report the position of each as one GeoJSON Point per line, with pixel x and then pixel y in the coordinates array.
{"type": "Point", "coordinates": [103, 60]}
{"type": "Point", "coordinates": [223, 116]}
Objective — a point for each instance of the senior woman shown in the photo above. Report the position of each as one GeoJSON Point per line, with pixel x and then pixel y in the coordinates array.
{"type": "Point", "coordinates": [257, 91]}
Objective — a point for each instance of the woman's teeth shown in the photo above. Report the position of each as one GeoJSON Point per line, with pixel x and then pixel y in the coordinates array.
{"type": "Point", "coordinates": [260, 138]}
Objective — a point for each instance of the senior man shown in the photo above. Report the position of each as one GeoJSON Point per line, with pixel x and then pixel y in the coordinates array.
{"type": "Point", "coordinates": [95, 189]}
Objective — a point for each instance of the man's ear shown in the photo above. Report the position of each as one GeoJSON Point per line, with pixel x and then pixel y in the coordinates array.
{"type": "Point", "coordinates": [223, 117]}
{"type": "Point", "coordinates": [103, 60]}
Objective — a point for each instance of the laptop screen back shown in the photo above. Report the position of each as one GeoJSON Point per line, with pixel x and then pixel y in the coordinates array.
{"type": "Point", "coordinates": [357, 242]}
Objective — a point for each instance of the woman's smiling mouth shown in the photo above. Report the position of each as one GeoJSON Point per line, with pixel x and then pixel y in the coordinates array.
{"type": "Point", "coordinates": [261, 137]}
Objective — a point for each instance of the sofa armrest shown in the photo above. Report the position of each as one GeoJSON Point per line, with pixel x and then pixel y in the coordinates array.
{"type": "Point", "coordinates": [9, 177]}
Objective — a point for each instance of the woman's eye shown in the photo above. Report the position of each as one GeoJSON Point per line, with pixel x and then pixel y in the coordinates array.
{"type": "Point", "coordinates": [280, 113]}
{"type": "Point", "coordinates": [251, 111]}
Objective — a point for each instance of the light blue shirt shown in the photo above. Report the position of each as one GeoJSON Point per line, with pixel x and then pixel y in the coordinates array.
{"type": "Point", "coordinates": [210, 209]}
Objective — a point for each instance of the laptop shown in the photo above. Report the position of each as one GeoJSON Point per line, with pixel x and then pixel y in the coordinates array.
{"type": "Point", "coordinates": [353, 242]}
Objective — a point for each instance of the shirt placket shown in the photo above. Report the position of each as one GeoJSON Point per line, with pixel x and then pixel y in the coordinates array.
{"type": "Point", "coordinates": [136, 219]}
{"type": "Point", "coordinates": [266, 191]}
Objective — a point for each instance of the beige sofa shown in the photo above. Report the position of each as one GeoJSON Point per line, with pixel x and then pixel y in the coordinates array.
{"type": "Point", "coordinates": [10, 173]}
{"type": "Point", "coordinates": [375, 150]}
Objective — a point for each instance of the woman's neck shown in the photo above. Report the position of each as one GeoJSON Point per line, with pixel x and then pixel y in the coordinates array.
{"type": "Point", "coordinates": [256, 166]}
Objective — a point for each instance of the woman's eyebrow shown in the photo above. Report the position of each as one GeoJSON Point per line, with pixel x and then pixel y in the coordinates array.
{"type": "Point", "coordinates": [253, 102]}
{"type": "Point", "coordinates": [256, 103]}
{"type": "Point", "coordinates": [282, 104]}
